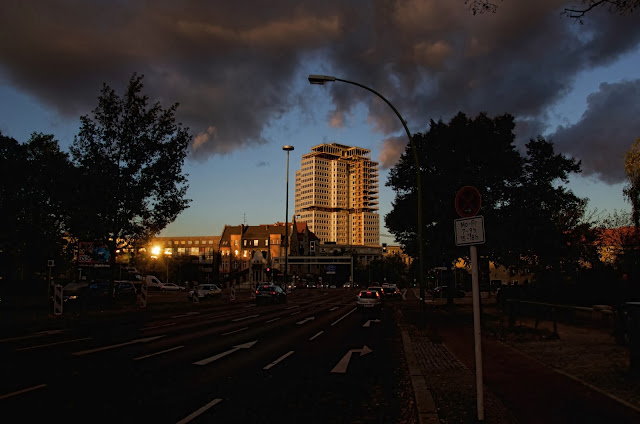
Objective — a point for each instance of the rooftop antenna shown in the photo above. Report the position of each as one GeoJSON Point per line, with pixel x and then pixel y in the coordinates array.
{"type": "Point", "coordinates": [244, 218]}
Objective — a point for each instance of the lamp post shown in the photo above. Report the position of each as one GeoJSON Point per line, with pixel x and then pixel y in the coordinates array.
{"type": "Point", "coordinates": [321, 80]}
{"type": "Point", "coordinates": [287, 148]}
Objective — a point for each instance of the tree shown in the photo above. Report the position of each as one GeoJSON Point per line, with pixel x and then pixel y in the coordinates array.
{"type": "Point", "coordinates": [34, 203]}
{"type": "Point", "coordinates": [479, 152]}
{"type": "Point", "coordinates": [543, 213]}
{"type": "Point", "coordinates": [530, 218]}
{"type": "Point", "coordinates": [621, 7]}
{"type": "Point", "coordinates": [130, 155]}
{"type": "Point", "coordinates": [632, 190]}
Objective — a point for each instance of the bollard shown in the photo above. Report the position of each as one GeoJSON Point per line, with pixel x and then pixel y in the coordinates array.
{"type": "Point", "coordinates": [57, 299]}
{"type": "Point", "coordinates": [143, 295]}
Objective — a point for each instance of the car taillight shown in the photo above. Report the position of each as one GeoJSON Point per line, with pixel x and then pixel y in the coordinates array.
{"type": "Point", "coordinates": [273, 292]}
{"type": "Point", "coordinates": [257, 291]}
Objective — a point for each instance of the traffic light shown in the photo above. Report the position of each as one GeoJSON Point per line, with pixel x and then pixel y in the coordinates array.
{"type": "Point", "coordinates": [384, 247]}
{"type": "Point", "coordinates": [312, 246]}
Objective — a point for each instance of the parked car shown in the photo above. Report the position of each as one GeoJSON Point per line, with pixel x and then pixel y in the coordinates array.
{"type": "Point", "coordinates": [270, 293]}
{"type": "Point", "coordinates": [207, 290]}
{"type": "Point", "coordinates": [368, 299]}
{"type": "Point", "coordinates": [125, 291]}
{"type": "Point", "coordinates": [170, 287]}
{"type": "Point", "coordinates": [99, 292]}
{"type": "Point", "coordinates": [72, 293]}
{"type": "Point", "coordinates": [443, 291]}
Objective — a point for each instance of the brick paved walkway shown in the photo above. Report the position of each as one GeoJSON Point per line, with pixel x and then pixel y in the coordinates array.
{"type": "Point", "coordinates": [579, 378]}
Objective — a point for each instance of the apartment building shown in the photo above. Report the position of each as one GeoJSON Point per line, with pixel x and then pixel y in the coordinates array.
{"type": "Point", "coordinates": [336, 194]}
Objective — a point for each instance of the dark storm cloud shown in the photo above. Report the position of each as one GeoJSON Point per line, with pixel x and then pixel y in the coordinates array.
{"type": "Point", "coordinates": [235, 66]}
{"type": "Point", "coordinates": [606, 131]}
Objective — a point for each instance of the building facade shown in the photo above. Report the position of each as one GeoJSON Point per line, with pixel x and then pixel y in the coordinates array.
{"type": "Point", "coordinates": [336, 194]}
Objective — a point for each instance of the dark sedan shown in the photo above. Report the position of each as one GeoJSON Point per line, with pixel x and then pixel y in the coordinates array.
{"type": "Point", "coordinates": [443, 292]}
{"type": "Point", "coordinates": [270, 293]}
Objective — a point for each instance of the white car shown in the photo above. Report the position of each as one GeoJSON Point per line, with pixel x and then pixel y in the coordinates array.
{"type": "Point", "coordinates": [207, 290]}
{"type": "Point", "coordinates": [170, 287]}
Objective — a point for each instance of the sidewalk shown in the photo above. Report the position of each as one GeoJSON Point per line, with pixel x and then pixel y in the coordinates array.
{"type": "Point", "coordinates": [527, 378]}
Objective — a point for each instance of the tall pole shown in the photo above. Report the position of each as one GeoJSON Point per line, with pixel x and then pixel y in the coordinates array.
{"type": "Point", "coordinates": [322, 79]}
{"type": "Point", "coordinates": [287, 148]}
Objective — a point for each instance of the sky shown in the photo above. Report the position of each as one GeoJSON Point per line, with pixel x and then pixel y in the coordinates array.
{"type": "Point", "coordinates": [239, 72]}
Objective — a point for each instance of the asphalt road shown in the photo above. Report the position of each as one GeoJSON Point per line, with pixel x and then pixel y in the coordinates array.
{"type": "Point", "coordinates": [315, 359]}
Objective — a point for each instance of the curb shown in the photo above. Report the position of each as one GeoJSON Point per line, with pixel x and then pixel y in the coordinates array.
{"type": "Point", "coordinates": [425, 405]}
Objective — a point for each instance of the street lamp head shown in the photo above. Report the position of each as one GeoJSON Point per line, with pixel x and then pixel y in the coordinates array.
{"type": "Point", "coordinates": [287, 148]}
{"type": "Point", "coordinates": [320, 79]}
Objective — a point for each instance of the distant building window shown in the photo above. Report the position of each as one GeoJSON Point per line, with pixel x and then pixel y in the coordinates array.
{"type": "Point", "coordinates": [210, 241]}
{"type": "Point", "coordinates": [175, 242]}
{"type": "Point", "coordinates": [245, 242]}
{"type": "Point", "coordinates": [255, 243]}
{"type": "Point", "coordinates": [235, 242]}
{"type": "Point", "coordinates": [182, 242]}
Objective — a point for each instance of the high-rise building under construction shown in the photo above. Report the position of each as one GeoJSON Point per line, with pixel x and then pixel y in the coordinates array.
{"type": "Point", "coordinates": [337, 194]}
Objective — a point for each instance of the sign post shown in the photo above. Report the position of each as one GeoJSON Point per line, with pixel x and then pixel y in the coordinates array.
{"type": "Point", "coordinates": [469, 231]}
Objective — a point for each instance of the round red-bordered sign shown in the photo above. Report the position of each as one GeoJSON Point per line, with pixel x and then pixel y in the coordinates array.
{"type": "Point", "coordinates": [468, 201]}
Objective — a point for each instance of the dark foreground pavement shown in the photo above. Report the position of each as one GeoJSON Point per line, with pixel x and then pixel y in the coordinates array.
{"type": "Point", "coordinates": [518, 386]}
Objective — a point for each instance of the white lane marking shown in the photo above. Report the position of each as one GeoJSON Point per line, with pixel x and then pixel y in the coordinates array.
{"type": "Point", "coordinates": [199, 411]}
{"type": "Point", "coordinates": [292, 307]}
{"type": "Point", "coordinates": [344, 316]}
{"type": "Point", "coordinates": [334, 308]}
{"type": "Point", "coordinates": [295, 313]}
{"type": "Point", "coordinates": [317, 334]}
{"type": "Point", "coordinates": [157, 353]}
{"type": "Point", "coordinates": [341, 367]}
{"type": "Point", "coordinates": [271, 320]}
{"type": "Point", "coordinates": [243, 318]}
{"type": "Point", "coordinates": [19, 392]}
{"type": "Point", "coordinates": [158, 326]}
{"type": "Point", "coordinates": [304, 321]}
{"type": "Point", "coordinates": [31, 336]}
{"type": "Point", "coordinates": [188, 314]}
{"type": "Point", "coordinates": [223, 354]}
{"type": "Point", "coordinates": [235, 331]}
{"type": "Point", "coordinates": [280, 359]}
{"type": "Point", "coordinates": [52, 344]}
{"type": "Point", "coordinates": [148, 339]}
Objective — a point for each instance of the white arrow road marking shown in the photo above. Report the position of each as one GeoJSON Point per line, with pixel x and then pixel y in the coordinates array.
{"type": "Point", "coordinates": [280, 359]}
{"type": "Point", "coordinates": [223, 354]}
{"type": "Point", "coordinates": [243, 318]}
{"type": "Point", "coordinates": [199, 411]}
{"type": "Point", "coordinates": [341, 367]}
{"type": "Point", "coordinates": [368, 323]}
{"type": "Point", "coordinates": [272, 320]}
{"type": "Point", "coordinates": [157, 353]}
{"type": "Point", "coordinates": [295, 313]}
{"type": "Point", "coordinates": [317, 334]}
{"type": "Point", "coordinates": [148, 339]}
{"type": "Point", "coordinates": [305, 320]}
{"type": "Point", "coordinates": [19, 392]}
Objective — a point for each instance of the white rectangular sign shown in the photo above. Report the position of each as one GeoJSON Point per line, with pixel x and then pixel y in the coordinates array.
{"type": "Point", "coordinates": [469, 231]}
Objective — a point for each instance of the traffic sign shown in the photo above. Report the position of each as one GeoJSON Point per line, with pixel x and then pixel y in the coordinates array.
{"type": "Point", "coordinates": [468, 201]}
{"type": "Point", "coordinates": [469, 231]}
{"type": "Point", "coordinates": [331, 269]}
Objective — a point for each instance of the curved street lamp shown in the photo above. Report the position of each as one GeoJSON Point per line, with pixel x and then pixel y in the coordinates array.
{"type": "Point", "coordinates": [286, 148]}
{"type": "Point", "coordinates": [321, 80]}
